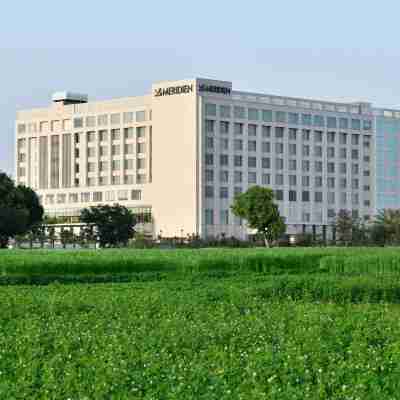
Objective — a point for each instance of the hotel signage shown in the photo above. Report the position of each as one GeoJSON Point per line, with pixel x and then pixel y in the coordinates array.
{"type": "Point", "coordinates": [185, 89]}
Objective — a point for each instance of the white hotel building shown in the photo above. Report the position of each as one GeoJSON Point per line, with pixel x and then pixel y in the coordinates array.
{"type": "Point", "coordinates": [178, 156]}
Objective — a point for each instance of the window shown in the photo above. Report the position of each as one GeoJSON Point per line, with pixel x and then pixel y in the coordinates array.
{"type": "Point", "coordinates": [223, 192]}
{"type": "Point", "coordinates": [331, 197]}
{"type": "Point", "coordinates": [141, 163]}
{"type": "Point", "coordinates": [209, 216]}
{"type": "Point", "coordinates": [110, 196]}
{"type": "Point", "coordinates": [21, 128]}
{"type": "Point", "coordinates": [319, 120]}
{"type": "Point", "coordinates": [343, 183]}
{"type": "Point", "coordinates": [90, 121]}
{"type": "Point", "coordinates": [318, 181]}
{"type": "Point", "coordinates": [343, 123]}
{"type": "Point", "coordinates": [224, 217]}
{"type": "Point", "coordinates": [115, 119]}
{"type": "Point", "coordinates": [85, 197]}
{"type": "Point", "coordinates": [292, 149]}
{"type": "Point", "coordinates": [78, 123]}
{"type": "Point", "coordinates": [128, 133]}
{"type": "Point", "coordinates": [366, 159]}
{"type": "Point", "coordinates": [317, 151]}
{"type": "Point", "coordinates": [103, 136]}
{"type": "Point", "coordinates": [237, 190]}
{"type": "Point", "coordinates": [331, 122]}
{"type": "Point", "coordinates": [102, 119]}
{"type": "Point", "coordinates": [224, 111]}
{"type": "Point", "coordinates": [238, 161]}
{"type": "Point", "coordinates": [280, 116]}
{"type": "Point", "coordinates": [91, 136]}
{"type": "Point", "coordinates": [253, 114]}
{"type": "Point", "coordinates": [331, 152]}
{"type": "Point", "coordinates": [224, 127]}
{"type": "Point", "coordinates": [305, 195]}
{"type": "Point", "coordinates": [343, 138]}
{"type": "Point", "coordinates": [279, 163]}
{"type": "Point", "coordinates": [331, 182]}
{"type": "Point", "coordinates": [292, 165]}
{"type": "Point", "coordinates": [224, 144]}
{"type": "Point", "coordinates": [128, 117]}
{"type": "Point", "coordinates": [224, 176]}
{"type": "Point", "coordinates": [115, 134]}
{"type": "Point", "coordinates": [238, 177]}
{"type": "Point", "coordinates": [267, 115]}
{"type": "Point", "coordinates": [279, 195]}
{"type": "Point", "coordinates": [343, 152]}
{"type": "Point", "coordinates": [210, 126]}
{"type": "Point", "coordinates": [252, 130]}
{"type": "Point", "coordinates": [318, 166]}
{"type": "Point", "coordinates": [318, 136]}
{"type": "Point", "coordinates": [305, 217]}
{"type": "Point", "coordinates": [355, 183]}
{"type": "Point", "coordinates": [238, 144]}
{"type": "Point", "coordinates": [331, 213]}
{"type": "Point", "coordinates": [209, 192]}
{"type": "Point", "coordinates": [292, 133]}
{"type": "Point", "coordinates": [266, 147]}
{"type": "Point", "coordinates": [305, 134]}
{"type": "Point", "coordinates": [238, 128]}
{"type": "Point", "coordinates": [122, 195]}
{"type": "Point", "coordinates": [279, 179]}
{"type": "Point", "coordinates": [103, 166]}
{"type": "Point", "coordinates": [355, 199]}
{"type": "Point", "coordinates": [265, 179]}
{"type": "Point", "coordinates": [209, 143]}
{"type": "Point", "coordinates": [91, 152]}
{"type": "Point", "coordinates": [97, 196]}
{"type": "Point", "coordinates": [305, 165]}
{"type": "Point", "coordinates": [331, 167]}
{"type": "Point", "coordinates": [209, 159]}
{"type": "Point", "coordinates": [354, 154]}
{"type": "Point", "coordinates": [305, 181]}
{"type": "Point", "coordinates": [292, 180]}
{"type": "Point", "coordinates": [355, 140]}
{"type": "Point", "coordinates": [141, 148]}
{"type": "Point", "coordinates": [293, 118]}
{"type": "Point", "coordinates": [73, 197]}
{"type": "Point", "coordinates": [252, 177]}
{"type": "Point", "coordinates": [209, 175]}
{"type": "Point", "coordinates": [136, 194]}
{"type": "Point", "coordinates": [140, 178]}
{"type": "Point", "coordinates": [115, 149]}
{"type": "Point", "coordinates": [343, 168]}
{"type": "Point", "coordinates": [239, 112]}
{"type": "Point", "coordinates": [252, 145]}
{"type": "Point", "coordinates": [367, 125]}
{"type": "Point", "coordinates": [354, 169]}
{"type": "Point", "coordinates": [318, 197]}
{"type": "Point", "coordinates": [128, 148]}
{"type": "Point", "coordinates": [140, 116]}
{"type": "Point", "coordinates": [279, 132]}
{"type": "Point", "coordinates": [223, 159]}
{"type": "Point", "coordinates": [356, 124]}
{"type": "Point", "coordinates": [292, 195]}
{"type": "Point", "coordinates": [306, 119]}
{"type": "Point", "coordinates": [129, 163]}
{"type": "Point", "coordinates": [278, 148]}
{"type": "Point", "coordinates": [366, 173]}
{"type": "Point", "coordinates": [141, 131]}
{"type": "Point", "coordinates": [266, 131]}
{"type": "Point", "coordinates": [116, 165]}
{"type": "Point", "coordinates": [331, 137]}
{"type": "Point", "coordinates": [306, 150]}
{"type": "Point", "coordinates": [266, 162]}
{"type": "Point", "coordinates": [252, 162]}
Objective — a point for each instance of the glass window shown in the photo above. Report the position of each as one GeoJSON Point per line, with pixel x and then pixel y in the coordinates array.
{"type": "Point", "coordinates": [292, 165]}
{"type": "Point", "coordinates": [128, 164]}
{"type": "Point", "coordinates": [318, 166]}
{"type": "Point", "coordinates": [305, 134]}
{"type": "Point", "coordinates": [239, 112]}
{"type": "Point", "coordinates": [292, 133]}
{"type": "Point", "coordinates": [209, 143]}
{"type": "Point", "coordinates": [140, 147]}
{"type": "Point", "coordinates": [209, 159]}
{"type": "Point", "coordinates": [78, 123]}
{"type": "Point", "coordinates": [223, 159]}
{"type": "Point", "coordinates": [279, 132]}
{"type": "Point", "coordinates": [305, 165]}
{"type": "Point", "coordinates": [266, 162]}
{"type": "Point", "coordinates": [331, 182]}
{"type": "Point", "coordinates": [224, 217]}
{"type": "Point", "coordinates": [210, 124]}
{"type": "Point", "coordinates": [238, 128]}
{"type": "Point", "coordinates": [279, 195]}
{"type": "Point", "coordinates": [279, 163]}
{"type": "Point", "coordinates": [292, 149]}
{"type": "Point", "coordinates": [318, 151]}
{"type": "Point", "coordinates": [211, 110]}
{"type": "Point", "coordinates": [367, 125]}
{"type": "Point", "coordinates": [136, 194]}
{"type": "Point", "coordinates": [355, 140]}
{"type": "Point", "coordinates": [318, 181]}
{"type": "Point", "coordinates": [224, 176]}
{"type": "Point", "coordinates": [355, 124]}
{"type": "Point", "coordinates": [140, 116]}
{"type": "Point", "coordinates": [238, 176]}
{"type": "Point", "coordinates": [224, 111]}
{"type": "Point", "coordinates": [267, 115]}
{"type": "Point", "coordinates": [103, 136]}
{"type": "Point", "coordinates": [253, 114]}
{"type": "Point", "coordinates": [306, 150]}
{"type": "Point", "coordinates": [292, 195]}
{"type": "Point", "coordinates": [318, 197]}
{"type": "Point", "coordinates": [238, 144]}
{"type": "Point", "coordinates": [278, 148]}
{"type": "Point", "coordinates": [305, 181]}
{"type": "Point", "coordinates": [331, 122]}
{"type": "Point", "coordinates": [209, 175]}
{"type": "Point", "coordinates": [238, 161]}
{"type": "Point", "coordinates": [331, 152]}
{"type": "Point", "coordinates": [209, 216]}
{"type": "Point", "coordinates": [343, 138]}
{"type": "Point", "coordinates": [209, 192]}
{"type": "Point", "coordinates": [266, 147]}
{"type": "Point", "coordinates": [331, 137]}
{"type": "Point", "coordinates": [292, 180]}
{"type": "Point", "coordinates": [293, 118]}
{"type": "Point", "coordinates": [115, 134]}
{"type": "Point", "coordinates": [343, 168]}
{"type": "Point", "coordinates": [252, 145]}
{"type": "Point", "coordinates": [252, 162]}
{"type": "Point", "coordinates": [343, 123]}
{"type": "Point", "coordinates": [252, 177]}
{"type": "Point", "coordinates": [224, 127]}
{"type": "Point", "coordinates": [224, 144]}
{"type": "Point", "coordinates": [115, 119]}
{"type": "Point", "coordinates": [128, 133]}
{"type": "Point", "coordinates": [128, 117]}
{"type": "Point", "coordinates": [305, 195]}
{"type": "Point", "coordinates": [280, 116]}
{"type": "Point", "coordinates": [279, 179]}
{"type": "Point", "coordinates": [102, 119]}
{"type": "Point", "coordinates": [252, 130]}
{"type": "Point", "coordinates": [223, 192]}
{"type": "Point", "coordinates": [318, 136]}
{"type": "Point", "coordinates": [266, 131]}
{"type": "Point", "coordinates": [306, 119]}
{"type": "Point", "coordinates": [331, 197]}
{"type": "Point", "coordinates": [265, 179]}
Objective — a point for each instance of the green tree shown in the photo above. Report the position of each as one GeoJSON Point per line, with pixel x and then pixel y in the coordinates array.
{"type": "Point", "coordinates": [344, 226]}
{"type": "Point", "coordinates": [20, 210]}
{"type": "Point", "coordinates": [386, 227]}
{"type": "Point", "coordinates": [257, 207]}
{"type": "Point", "coordinates": [114, 224]}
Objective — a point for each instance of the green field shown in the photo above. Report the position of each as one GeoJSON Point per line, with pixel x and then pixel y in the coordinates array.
{"type": "Point", "coordinates": [200, 324]}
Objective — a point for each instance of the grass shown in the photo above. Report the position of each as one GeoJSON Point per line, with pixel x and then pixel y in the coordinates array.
{"type": "Point", "coordinates": [200, 324]}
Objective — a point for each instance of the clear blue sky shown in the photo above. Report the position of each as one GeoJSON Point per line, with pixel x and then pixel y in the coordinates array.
{"type": "Point", "coordinates": [338, 49]}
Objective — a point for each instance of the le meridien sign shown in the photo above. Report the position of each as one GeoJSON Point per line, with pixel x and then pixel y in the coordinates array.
{"type": "Point", "coordinates": [184, 89]}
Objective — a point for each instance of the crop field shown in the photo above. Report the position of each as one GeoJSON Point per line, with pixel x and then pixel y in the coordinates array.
{"type": "Point", "coordinates": [318, 323]}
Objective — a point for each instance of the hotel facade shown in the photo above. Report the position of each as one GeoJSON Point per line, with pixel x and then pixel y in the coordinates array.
{"type": "Point", "coordinates": [178, 156]}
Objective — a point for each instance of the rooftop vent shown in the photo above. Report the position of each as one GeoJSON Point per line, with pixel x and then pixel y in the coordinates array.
{"type": "Point", "coordinates": [69, 98]}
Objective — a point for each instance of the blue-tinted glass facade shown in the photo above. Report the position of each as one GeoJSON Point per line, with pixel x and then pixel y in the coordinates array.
{"type": "Point", "coordinates": [387, 163]}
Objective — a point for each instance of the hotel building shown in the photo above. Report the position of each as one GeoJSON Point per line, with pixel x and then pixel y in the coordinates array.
{"type": "Point", "coordinates": [178, 155]}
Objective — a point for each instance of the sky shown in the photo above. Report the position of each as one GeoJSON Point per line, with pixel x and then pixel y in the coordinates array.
{"type": "Point", "coordinates": [338, 50]}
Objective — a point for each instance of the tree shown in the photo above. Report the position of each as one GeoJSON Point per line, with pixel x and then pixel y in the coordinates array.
{"type": "Point", "coordinates": [114, 224]}
{"type": "Point", "coordinates": [258, 208]}
{"type": "Point", "coordinates": [20, 210]}
{"type": "Point", "coordinates": [344, 225]}
{"type": "Point", "coordinates": [386, 227]}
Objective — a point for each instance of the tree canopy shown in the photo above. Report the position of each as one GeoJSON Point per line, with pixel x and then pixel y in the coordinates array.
{"type": "Point", "coordinates": [257, 207]}
{"type": "Point", "coordinates": [114, 224]}
{"type": "Point", "coordinates": [20, 209]}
